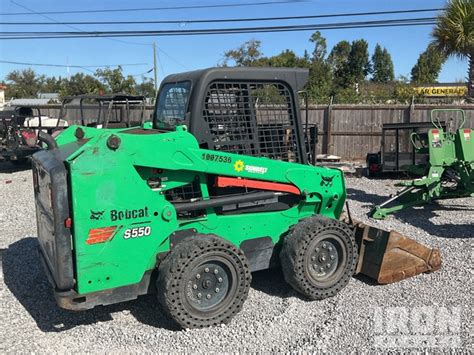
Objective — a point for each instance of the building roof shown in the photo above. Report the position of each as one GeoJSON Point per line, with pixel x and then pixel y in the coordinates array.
{"type": "Point", "coordinates": [28, 102]}
{"type": "Point", "coordinates": [48, 95]}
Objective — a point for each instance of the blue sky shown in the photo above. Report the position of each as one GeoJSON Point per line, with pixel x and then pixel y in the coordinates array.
{"type": "Point", "coordinates": [185, 53]}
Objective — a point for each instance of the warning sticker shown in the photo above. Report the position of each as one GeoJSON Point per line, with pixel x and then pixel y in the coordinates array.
{"type": "Point", "coordinates": [467, 134]}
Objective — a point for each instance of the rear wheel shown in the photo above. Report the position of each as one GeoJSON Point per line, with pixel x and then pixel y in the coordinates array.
{"type": "Point", "coordinates": [319, 257]}
{"type": "Point", "coordinates": [204, 281]}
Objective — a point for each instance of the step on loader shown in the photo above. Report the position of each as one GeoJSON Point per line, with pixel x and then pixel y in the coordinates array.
{"type": "Point", "coordinates": [189, 205]}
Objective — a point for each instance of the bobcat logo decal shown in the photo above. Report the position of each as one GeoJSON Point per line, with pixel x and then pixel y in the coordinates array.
{"type": "Point", "coordinates": [97, 215]}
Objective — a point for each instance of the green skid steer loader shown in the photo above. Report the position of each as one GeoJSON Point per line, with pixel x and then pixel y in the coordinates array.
{"type": "Point", "coordinates": [188, 206]}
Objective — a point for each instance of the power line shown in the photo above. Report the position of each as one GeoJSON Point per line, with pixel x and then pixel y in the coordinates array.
{"type": "Point", "coordinates": [253, 19]}
{"type": "Point", "coordinates": [238, 30]}
{"type": "Point", "coordinates": [161, 64]}
{"type": "Point", "coordinates": [71, 66]}
{"type": "Point", "coordinates": [173, 59]}
{"type": "Point", "coordinates": [154, 8]}
{"type": "Point", "coordinates": [142, 74]}
{"type": "Point", "coordinates": [33, 12]}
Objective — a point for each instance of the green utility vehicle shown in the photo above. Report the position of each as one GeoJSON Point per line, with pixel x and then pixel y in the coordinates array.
{"type": "Point", "coordinates": [217, 187]}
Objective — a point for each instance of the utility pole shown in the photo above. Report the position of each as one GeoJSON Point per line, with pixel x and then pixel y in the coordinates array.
{"type": "Point", "coordinates": [155, 69]}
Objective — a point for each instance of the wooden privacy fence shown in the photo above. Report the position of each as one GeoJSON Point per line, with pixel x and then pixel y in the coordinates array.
{"type": "Point", "coordinates": [351, 131]}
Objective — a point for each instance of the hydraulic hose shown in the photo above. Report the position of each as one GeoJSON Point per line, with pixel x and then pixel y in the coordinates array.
{"type": "Point", "coordinates": [48, 140]}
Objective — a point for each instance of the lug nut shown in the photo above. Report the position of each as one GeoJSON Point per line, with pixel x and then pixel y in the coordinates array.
{"type": "Point", "coordinates": [208, 296]}
{"type": "Point", "coordinates": [195, 286]}
{"type": "Point", "coordinates": [217, 289]}
{"type": "Point", "coordinates": [324, 245]}
{"type": "Point", "coordinates": [198, 276]}
{"type": "Point", "coordinates": [321, 269]}
{"type": "Point", "coordinates": [330, 248]}
{"type": "Point", "coordinates": [313, 258]}
{"type": "Point", "coordinates": [199, 295]}
{"type": "Point", "coordinates": [328, 265]}
{"type": "Point", "coordinates": [317, 250]}
{"type": "Point", "coordinates": [332, 257]}
{"type": "Point", "coordinates": [219, 279]}
{"type": "Point", "coordinates": [206, 269]}
{"type": "Point", "coordinates": [216, 271]}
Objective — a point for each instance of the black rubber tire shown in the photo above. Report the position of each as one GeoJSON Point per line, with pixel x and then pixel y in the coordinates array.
{"type": "Point", "coordinates": [299, 246]}
{"type": "Point", "coordinates": [175, 274]}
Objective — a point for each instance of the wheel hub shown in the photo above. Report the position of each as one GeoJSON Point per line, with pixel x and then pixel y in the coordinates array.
{"type": "Point", "coordinates": [209, 284]}
{"type": "Point", "coordinates": [324, 259]}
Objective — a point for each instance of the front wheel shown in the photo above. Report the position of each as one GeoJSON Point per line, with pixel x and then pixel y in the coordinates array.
{"type": "Point", "coordinates": [204, 281]}
{"type": "Point", "coordinates": [319, 257]}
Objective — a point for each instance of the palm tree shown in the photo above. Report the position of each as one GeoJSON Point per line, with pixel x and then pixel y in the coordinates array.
{"type": "Point", "coordinates": [454, 34]}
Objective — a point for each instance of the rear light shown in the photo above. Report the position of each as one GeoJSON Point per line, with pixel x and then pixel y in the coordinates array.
{"type": "Point", "coordinates": [68, 222]}
{"type": "Point", "coordinates": [374, 167]}
{"type": "Point", "coordinates": [100, 235]}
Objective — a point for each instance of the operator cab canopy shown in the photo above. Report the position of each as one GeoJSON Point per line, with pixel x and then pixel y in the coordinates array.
{"type": "Point", "coordinates": [252, 111]}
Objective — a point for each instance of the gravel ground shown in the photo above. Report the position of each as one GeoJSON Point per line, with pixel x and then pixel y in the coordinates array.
{"type": "Point", "coordinates": [274, 317]}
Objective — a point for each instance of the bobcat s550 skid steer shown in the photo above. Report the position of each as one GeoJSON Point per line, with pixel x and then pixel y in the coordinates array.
{"type": "Point", "coordinates": [217, 187]}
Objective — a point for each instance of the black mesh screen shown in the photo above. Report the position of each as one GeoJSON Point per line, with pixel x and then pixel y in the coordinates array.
{"type": "Point", "coordinates": [252, 118]}
{"type": "Point", "coordinates": [184, 193]}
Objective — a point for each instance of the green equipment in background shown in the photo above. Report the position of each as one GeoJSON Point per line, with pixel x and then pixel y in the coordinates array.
{"type": "Point", "coordinates": [449, 172]}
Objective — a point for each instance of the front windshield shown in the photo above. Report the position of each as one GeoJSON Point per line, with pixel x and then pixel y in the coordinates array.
{"type": "Point", "coordinates": [172, 103]}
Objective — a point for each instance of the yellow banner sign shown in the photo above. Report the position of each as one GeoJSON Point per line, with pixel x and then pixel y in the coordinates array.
{"type": "Point", "coordinates": [441, 91]}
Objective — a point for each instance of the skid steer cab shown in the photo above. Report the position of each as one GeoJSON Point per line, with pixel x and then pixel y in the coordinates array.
{"type": "Point", "coordinates": [216, 188]}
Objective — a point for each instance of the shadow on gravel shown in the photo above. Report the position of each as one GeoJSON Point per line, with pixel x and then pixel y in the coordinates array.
{"type": "Point", "coordinates": [423, 218]}
{"type": "Point", "coordinates": [25, 278]}
{"type": "Point", "coordinates": [362, 196]}
{"type": "Point", "coordinates": [8, 167]}
{"type": "Point", "coordinates": [271, 282]}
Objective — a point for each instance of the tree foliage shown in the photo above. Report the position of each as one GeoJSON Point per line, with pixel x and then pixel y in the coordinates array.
{"type": "Point", "coordinates": [27, 84]}
{"type": "Point", "coordinates": [382, 66]}
{"type": "Point", "coordinates": [287, 59]}
{"type": "Point", "coordinates": [358, 63]}
{"type": "Point", "coordinates": [22, 83]}
{"type": "Point", "coordinates": [428, 66]}
{"type": "Point", "coordinates": [320, 46]}
{"type": "Point", "coordinates": [338, 59]}
{"type": "Point", "coordinates": [80, 84]}
{"type": "Point", "coordinates": [341, 74]}
{"type": "Point", "coordinates": [245, 55]}
{"type": "Point", "coordinates": [454, 34]}
{"type": "Point", "coordinates": [320, 79]}
{"type": "Point", "coordinates": [146, 87]}
{"type": "Point", "coordinates": [115, 82]}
